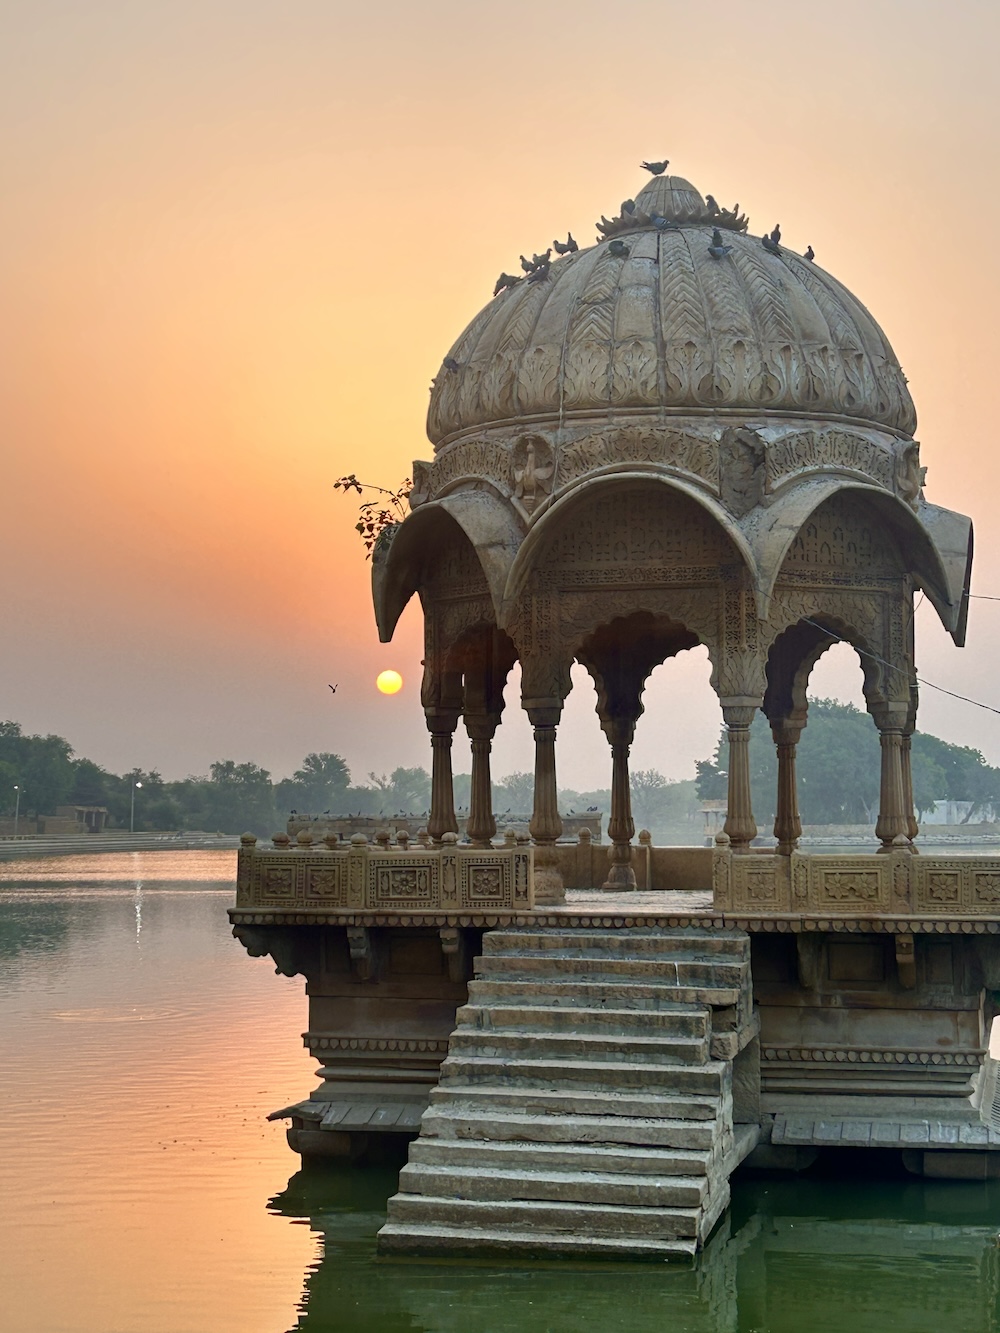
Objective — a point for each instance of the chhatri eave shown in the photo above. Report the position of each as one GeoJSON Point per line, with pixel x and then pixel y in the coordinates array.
{"type": "Point", "coordinates": [682, 434]}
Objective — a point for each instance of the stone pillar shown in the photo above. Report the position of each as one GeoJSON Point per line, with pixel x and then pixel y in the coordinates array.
{"type": "Point", "coordinates": [787, 824]}
{"type": "Point", "coordinates": [912, 827]}
{"type": "Point", "coordinates": [481, 826]}
{"type": "Point", "coordinates": [441, 723]}
{"type": "Point", "coordinates": [621, 828]}
{"type": "Point", "coordinates": [739, 826]}
{"type": "Point", "coordinates": [546, 825]}
{"type": "Point", "coordinates": [892, 819]}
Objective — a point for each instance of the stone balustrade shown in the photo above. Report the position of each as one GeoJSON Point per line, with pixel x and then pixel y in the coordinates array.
{"type": "Point", "coordinates": [399, 878]}
{"type": "Point", "coordinates": [899, 883]}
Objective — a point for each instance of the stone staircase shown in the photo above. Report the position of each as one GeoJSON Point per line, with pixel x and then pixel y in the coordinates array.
{"type": "Point", "coordinates": [585, 1106]}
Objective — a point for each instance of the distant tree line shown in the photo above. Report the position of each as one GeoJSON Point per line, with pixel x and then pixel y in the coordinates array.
{"type": "Point", "coordinates": [838, 770]}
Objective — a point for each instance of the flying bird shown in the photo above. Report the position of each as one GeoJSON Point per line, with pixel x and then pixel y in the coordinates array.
{"type": "Point", "coordinates": [657, 168]}
{"type": "Point", "coordinates": [810, 254]}
{"type": "Point", "coordinates": [505, 280]}
{"type": "Point", "coordinates": [568, 247]}
{"type": "Point", "coordinates": [333, 687]}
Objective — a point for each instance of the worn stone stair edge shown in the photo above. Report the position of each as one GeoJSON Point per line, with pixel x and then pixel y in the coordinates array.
{"type": "Point", "coordinates": [432, 1240]}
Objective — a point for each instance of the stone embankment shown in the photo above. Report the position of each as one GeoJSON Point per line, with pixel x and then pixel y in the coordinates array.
{"type": "Point", "coordinates": [586, 1103]}
{"type": "Point", "coordinates": [97, 844]}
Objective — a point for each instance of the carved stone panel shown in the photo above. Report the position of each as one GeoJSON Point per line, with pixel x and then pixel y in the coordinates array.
{"type": "Point", "coordinates": [404, 883]}
{"type": "Point", "coordinates": [327, 885]}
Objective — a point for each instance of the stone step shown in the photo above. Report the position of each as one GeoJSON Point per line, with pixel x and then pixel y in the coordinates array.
{"type": "Point", "coordinates": [633, 942]}
{"type": "Point", "coordinates": [453, 1120]}
{"type": "Point", "coordinates": [432, 1240]}
{"type": "Point", "coordinates": [496, 1154]}
{"type": "Point", "coordinates": [709, 1078]}
{"type": "Point", "coordinates": [679, 1020]}
{"type": "Point", "coordinates": [511, 1043]}
{"type": "Point", "coordinates": [483, 1100]}
{"type": "Point", "coordinates": [663, 971]}
{"type": "Point", "coordinates": [524, 1214]}
{"type": "Point", "coordinates": [501, 1184]}
{"type": "Point", "coordinates": [596, 994]}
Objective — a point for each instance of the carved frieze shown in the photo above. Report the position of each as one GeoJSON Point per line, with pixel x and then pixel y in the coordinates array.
{"type": "Point", "coordinates": [810, 450]}
{"type": "Point", "coordinates": [659, 445]}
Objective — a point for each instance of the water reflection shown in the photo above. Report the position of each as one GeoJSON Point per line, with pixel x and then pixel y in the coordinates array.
{"type": "Point", "coordinates": [913, 1257]}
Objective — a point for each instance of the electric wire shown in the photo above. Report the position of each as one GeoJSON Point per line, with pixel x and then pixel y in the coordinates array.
{"type": "Point", "coordinates": [928, 684]}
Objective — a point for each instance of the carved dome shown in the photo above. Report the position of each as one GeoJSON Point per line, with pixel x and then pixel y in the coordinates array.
{"type": "Point", "coordinates": [649, 321]}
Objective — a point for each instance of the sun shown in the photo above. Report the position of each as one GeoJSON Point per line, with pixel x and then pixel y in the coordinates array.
{"type": "Point", "coordinates": [389, 682]}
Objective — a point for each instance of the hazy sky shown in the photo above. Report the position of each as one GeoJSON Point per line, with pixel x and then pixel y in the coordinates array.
{"type": "Point", "coordinates": [239, 237]}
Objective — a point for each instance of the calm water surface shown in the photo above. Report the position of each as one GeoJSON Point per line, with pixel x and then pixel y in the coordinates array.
{"type": "Point", "coordinates": [143, 1191]}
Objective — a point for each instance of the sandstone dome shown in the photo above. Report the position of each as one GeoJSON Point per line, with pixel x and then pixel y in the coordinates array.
{"type": "Point", "coordinates": [648, 322]}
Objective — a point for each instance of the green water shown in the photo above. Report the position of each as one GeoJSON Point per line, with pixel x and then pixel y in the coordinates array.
{"type": "Point", "coordinates": [144, 1191]}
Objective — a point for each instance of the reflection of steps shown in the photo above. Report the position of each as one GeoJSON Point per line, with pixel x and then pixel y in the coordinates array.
{"type": "Point", "coordinates": [585, 1105]}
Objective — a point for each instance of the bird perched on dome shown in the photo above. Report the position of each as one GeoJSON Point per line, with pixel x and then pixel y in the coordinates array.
{"type": "Point", "coordinates": [711, 204]}
{"type": "Point", "coordinates": [567, 247]}
{"type": "Point", "coordinates": [810, 254]}
{"type": "Point", "coordinates": [505, 280]}
{"type": "Point", "coordinates": [451, 364]}
{"type": "Point", "coordinates": [772, 242]}
{"type": "Point", "coordinates": [661, 223]}
{"type": "Point", "coordinates": [619, 249]}
{"type": "Point", "coordinates": [526, 264]}
{"type": "Point", "coordinates": [542, 261]}
{"type": "Point", "coordinates": [657, 168]}
{"type": "Point", "coordinates": [717, 249]}
{"type": "Point", "coordinates": [628, 206]}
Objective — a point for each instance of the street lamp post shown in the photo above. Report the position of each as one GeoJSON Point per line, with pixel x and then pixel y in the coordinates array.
{"type": "Point", "coordinates": [131, 813]}
{"type": "Point", "coordinates": [17, 808]}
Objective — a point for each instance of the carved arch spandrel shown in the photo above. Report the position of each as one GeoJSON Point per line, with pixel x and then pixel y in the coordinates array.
{"type": "Point", "coordinates": [624, 521]}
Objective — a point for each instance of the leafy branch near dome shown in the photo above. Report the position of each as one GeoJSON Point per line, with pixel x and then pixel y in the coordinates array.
{"type": "Point", "coordinates": [377, 519]}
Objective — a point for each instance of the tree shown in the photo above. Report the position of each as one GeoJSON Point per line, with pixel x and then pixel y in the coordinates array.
{"type": "Point", "coordinates": [239, 797]}
{"type": "Point", "coordinates": [648, 786]}
{"type": "Point", "coordinates": [321, 784]}
{"type": "Point", "coordinates": [406, 791]}
{"type": "Point", "coordinates": [514, 794]}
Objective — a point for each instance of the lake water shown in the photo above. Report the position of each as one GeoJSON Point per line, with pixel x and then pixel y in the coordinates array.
{"type": "Point", "coordinates": [143, 1191]}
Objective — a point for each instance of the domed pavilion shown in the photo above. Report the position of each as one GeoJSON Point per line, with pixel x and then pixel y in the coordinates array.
{"type": "Point", "coordinates": [684, 434]}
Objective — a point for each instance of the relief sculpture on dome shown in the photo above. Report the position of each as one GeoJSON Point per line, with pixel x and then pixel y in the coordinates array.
{"type": "Point", "coordinates": [640, 444]}
{"type": "Point", "coordinates": [533, 471]}
{"type": "Point", "coordinates": [741, 470]}
{"type": "Point", "coordinates": [910, 476]}
{"type": "Point", "coordinates": [809, 450]}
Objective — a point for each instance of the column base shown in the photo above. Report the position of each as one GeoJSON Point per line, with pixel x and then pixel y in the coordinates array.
{"type": "Point", "coordinates": [549, 888]}
{"type": "Point", "coordinates": [621, 879]}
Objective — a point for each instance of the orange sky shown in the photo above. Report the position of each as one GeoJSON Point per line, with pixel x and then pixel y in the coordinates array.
{"type": "Point", "coordinates": [239, 238]}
